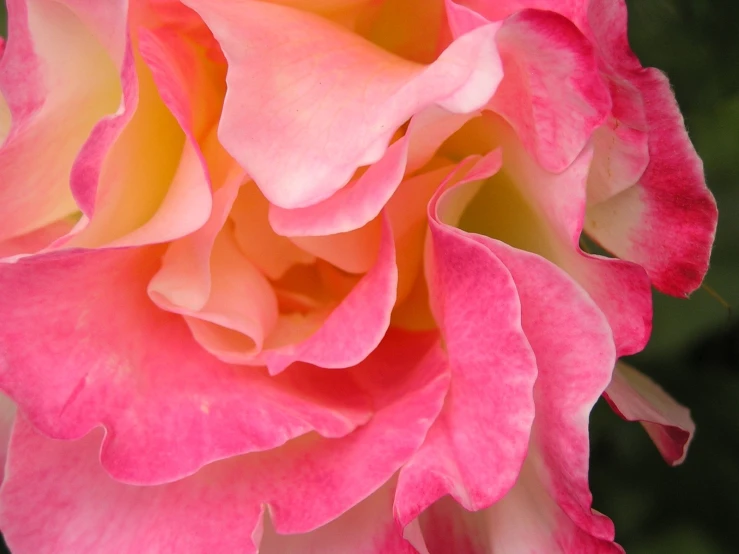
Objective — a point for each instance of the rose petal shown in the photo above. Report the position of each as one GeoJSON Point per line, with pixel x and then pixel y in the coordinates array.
{"type": "Point", "coordinates": [7, 417]}
{"type": "Point", "coordinates": [621, 144]}
{"type": "Point", "coordinates": [59, 499]}
{"type": "Point", "coordinates": [219, 508]}
{"type": "Point", "coordinates": [407, 213]}
{"type": "Point", "coordinates": [356, 326]}
{"type": "Point", "coordinates": [353, 251]}
{"type": "Point", "coordinates": [166, 194]}
{"type": "Point", "coordinates": [368, 528]}
{"type": "Point", "coordinates": [183, 283]}
{"type": "Point", "coordinates": [532, 209]}
{"type": "Point", "coordinates": [620, 288]}
{"type": "Point", "coordinates": [299, 91]}
{"type": "Point", "coordinates": [526, 521]}
{"type": "Point", "coordinates": [548, 509]}
{"type": "Point", "coordinates": [241, 299]}
{"type": "Point", "coordinates": [36, 240]}
{"type": "Point", "coordinates": [168, 406]}
{"type": "Point", "coordinates": [635, 397]}
{"type": "Point", "coordinates": [568, 382]}
{"type": "Point", "coordinates": [57, 80]}
{"type": "Point", "coordinates": [575, 355]}
{"type": "Point", "coordinates": [552, 93]}
{"type": "Point", "coordinates": [351, 207]}
{"type": "Point", "coordinates": [475, 449]}
{"type": "Point", "coordinates": [362, 199]}
{"type": "Point", "coordinates": [257, 239]}
{"type": "Point", "coordinates": [666, 221]}
{"type": "Point", "coordinates": [497, 11]}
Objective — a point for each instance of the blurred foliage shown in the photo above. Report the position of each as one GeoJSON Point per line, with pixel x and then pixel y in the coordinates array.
{"type": "Point", "coordinates": [694, 352]}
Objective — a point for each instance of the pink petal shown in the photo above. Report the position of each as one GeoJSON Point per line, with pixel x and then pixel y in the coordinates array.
{"type": "Point", "coordinates": [304, 485]}
{"type": "Point", "coordinates": [548, 509]}
{"type": "Point", "coordinates": [257, 239]}
{"type": "Point", "coordinates": [497, 11]}
{"type": "Point", "coordinates": [303, 153]}
{"type": "Point", "coordinates": [552, 93]}
{"type": "Point", "coordinates": [59, 499]}
{"type": "Point", "coordinates": [7, 417]}
{"type": "Point", "coordinates": [362, 199]}
{"type": "Point", "coordinates": [620, 288]}
{"type": "Point", "coordinates": [356, 326]}
{"type": "Point", "coordinates": [351, 207]}
{"type": "Point", "coordinates": [166, 193]}
{"type": "Point", "coordinates": [666, 221]}
{"type": "Point", "coordinates": [57, 81]}
{"type": "Point", "coordinates": [621, 145]}
{"type": "Point", "coordinates": [635, 397]}
{"type": "Point", "coordinates": [183, 283]}
{"type": "Point", "coordinates": [368, 528]}
{"type": "Point", "coordinates": [36, 240]}
{"type": "Point", "coordinates": [526, 521]}
{"type": "Point", "coordinates": [241, 299]}
{"type": "Point", "coordinates": [353, 251]}
{"type": "Point", "coordinates": [89, 164]}
{"type": "Point", "coordinates": [167, 405]}
{"type": "Point", "coordinates": [575, 355]}
{"type": "Point", "coordinates": [475, 449]}
{"type": "Point", "coordinates": [407, 213]}
{"type": "Point", "coordinates": [664, 218]}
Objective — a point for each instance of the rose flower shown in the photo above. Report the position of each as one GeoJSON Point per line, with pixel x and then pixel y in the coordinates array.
{"type": "Point", "coordinates": [306, 276]}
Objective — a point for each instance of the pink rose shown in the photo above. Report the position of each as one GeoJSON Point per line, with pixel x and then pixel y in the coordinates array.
{"type": "Point", "coordinates": [305, 276]}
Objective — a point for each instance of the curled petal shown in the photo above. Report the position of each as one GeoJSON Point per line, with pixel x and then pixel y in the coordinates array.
{"type": "Point", "coordinates": [363, 198]}
{"type": "Point", "coordinates": [168, 406]}
{"type": "Point", "coordinates": [575, 358]}
{"type": "Point", "coordinates": [240, 300]}
{"type": "Point", "coordinates": [526, 521]}
{"type": "Point", "coordinates": [635, 397]}
{"type": "Point", "coordinates": [272, 253]}
{"type": "Point", "coordinates": [665, 221]}
{"type": "Point", "coordinates": [310, 90]}
{"type": "Point", "coordinates": [7, 417]}
{"type": "Point", "coordinates": [57, 81]}
{"type": "Point", "coordinates": [219, 508]}
{"type": "Point", "coordinates": [475, 450]}
{"type": "Point", "coordinates": [621, 144]}
{"type": "Point", "coordinates": [572, 365]}
{"type": "Point", "coordinates": [166, 194]}
{"type": "Point", "coordinates": [368, 528]}
{"type": "Point", "coordinates": [549, 507]}
{"type": "Point", "coordinates": [542, 212]}
{"type": "Point", "coordinates": [574, 10]}
{"type": "Point", "coordinates": [552, 92]}
{"type": "Point", "coordinates": [356, 326]}
{"type": "Point", "coordinates": [351, 207]}
{"type": "Point", "coordinates": [183, 283]}
{"type": "Point", "coordinates": [37, 240]}
{"type": "Point", "coordinates": [620, 288]}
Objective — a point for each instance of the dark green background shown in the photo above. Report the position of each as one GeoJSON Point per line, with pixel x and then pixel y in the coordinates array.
{"type": "Point", "coordinates": [694, 352]}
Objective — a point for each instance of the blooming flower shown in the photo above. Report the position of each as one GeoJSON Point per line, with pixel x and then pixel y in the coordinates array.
{"type": "Point", "coordinates": [306, 276]}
